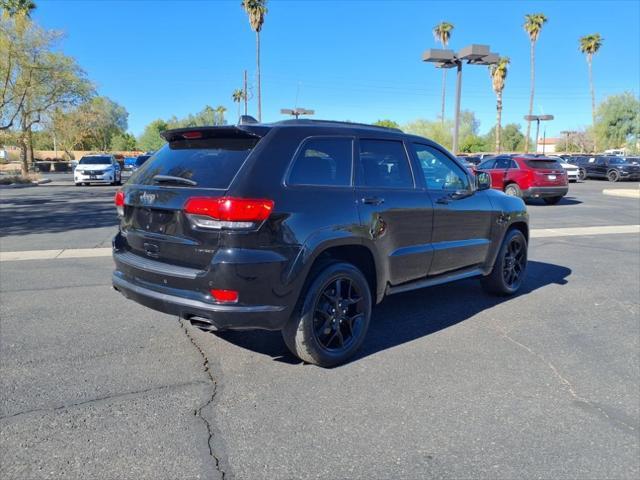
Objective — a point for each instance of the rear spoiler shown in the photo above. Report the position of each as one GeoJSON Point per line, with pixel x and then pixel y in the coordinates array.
{"type": "Point", "coordinates": [224, 131]}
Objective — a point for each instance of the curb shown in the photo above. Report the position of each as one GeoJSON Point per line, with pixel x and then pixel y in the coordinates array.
{"type": "Point", "coordinates": [622, 192]}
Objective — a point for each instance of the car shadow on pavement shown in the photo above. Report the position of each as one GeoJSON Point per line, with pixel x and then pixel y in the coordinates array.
{"type": "Point", "coordinates": [69, 210]}
{"type": "Point", "coordinates": [406, 317]}
{"type": "Point", "coordinates": [564, 201]}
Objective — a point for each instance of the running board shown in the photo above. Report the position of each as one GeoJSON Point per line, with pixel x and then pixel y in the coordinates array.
{"type": "Point", "coordinates": [439, 280]}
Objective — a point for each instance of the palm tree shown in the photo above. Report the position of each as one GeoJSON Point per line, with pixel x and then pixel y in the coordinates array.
{"type": "Point", "coordinates": [589, 45]}
{"type": "Point", "coordinates": [533, 23]}
{"type": "Point", "coordinates": [256, 11]}
{"type": "Point", "coordinates": [442, 34]}
{"type": "Point", "coordinates": [498, 73]}
{"type": "Point", "coordinates": [12, 8]}
{"type": "Point", "coordinates": [238, 97]}
{"type": "Point", "coordinates": [219, 115]}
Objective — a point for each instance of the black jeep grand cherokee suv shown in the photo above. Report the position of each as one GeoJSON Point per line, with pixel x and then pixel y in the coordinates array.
{"type": "Point", "coordinates": [303, 226]}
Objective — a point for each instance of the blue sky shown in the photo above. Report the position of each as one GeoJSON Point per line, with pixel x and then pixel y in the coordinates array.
{"type": "Point", "coordinates": [355, 60]}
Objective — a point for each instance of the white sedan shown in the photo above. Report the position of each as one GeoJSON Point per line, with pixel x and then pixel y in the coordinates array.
{"type": "Point", "coordinates": [572, 170]}
{"type": "Point", "coordinates": [97, 169]}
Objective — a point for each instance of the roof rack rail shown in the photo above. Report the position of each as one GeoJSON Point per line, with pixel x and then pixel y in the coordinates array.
{"type": "Point", "coordinates": [308, 121]}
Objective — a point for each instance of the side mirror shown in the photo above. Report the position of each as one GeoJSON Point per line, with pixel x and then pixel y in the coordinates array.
{"type": "Point", "coordinates": [483, 181]}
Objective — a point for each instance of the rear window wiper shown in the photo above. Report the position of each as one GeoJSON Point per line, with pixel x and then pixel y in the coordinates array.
{"type": "Point", "coordinates": [172, 179]}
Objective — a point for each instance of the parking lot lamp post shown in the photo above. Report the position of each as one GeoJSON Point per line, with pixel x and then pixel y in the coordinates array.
{"type": "Point", "coordinates": [296, 112]}
{"type": "Point", "coordinates": [473, 55]}
{"type": "Point", "coordinates": [538, 119]}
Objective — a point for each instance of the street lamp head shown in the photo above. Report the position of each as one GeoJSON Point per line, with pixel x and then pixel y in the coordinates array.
{"type": "Point", "coordinates": [538, 118]}
{"type": "Point", "coordinates": [546, 117]}
{"type": "Point", "coordinates": [438, 55]}
{"type": "Point", "coordinates": [491, 59]}
{"type": "Point", "coordinates": [473, 52]}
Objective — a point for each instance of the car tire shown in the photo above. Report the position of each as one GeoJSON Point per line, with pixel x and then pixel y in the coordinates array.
{"type": "Point", "coordinates": [551, 200]}
{"type": "Point", "coordinates": [513, 190]}
{"type": "Point", "coordinates": [332, 317]}
{"type": "Point", "coordinates": [510, 262]}
{"type": "Point", "coordinates": [613, 176]}
{"type": "Point", "coordinates": [77, 184]}
{"type": "Point", "coordinates": [582, 174]}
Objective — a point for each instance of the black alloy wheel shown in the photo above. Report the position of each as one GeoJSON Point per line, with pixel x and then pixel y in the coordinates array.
{"type": "Point", "coordinates": [338, 315]}
{"type": "Point", "coordinates": [514, 262]}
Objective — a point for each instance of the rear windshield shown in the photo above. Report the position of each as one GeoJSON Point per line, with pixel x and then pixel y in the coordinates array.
{"type": "Point", "coordinates": [543, 164]}
{"type": "Point", "coordinates": [211, 163]}
{"type": "Point", "coordinates": [95, 161]}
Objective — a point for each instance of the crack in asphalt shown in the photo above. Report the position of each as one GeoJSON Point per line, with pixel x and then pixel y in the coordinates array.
{"type": "Point", "coordinates": [99, 399]}
{"type": "Point", "coordinates": [585, 402]}
{"type": "Point", "coordinates": [198, 411]}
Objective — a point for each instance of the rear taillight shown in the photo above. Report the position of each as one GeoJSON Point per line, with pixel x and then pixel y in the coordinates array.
{"type": "Point", "coordinates": [227, 212]}
{"type": "Point", "coordinates": [119, 201]}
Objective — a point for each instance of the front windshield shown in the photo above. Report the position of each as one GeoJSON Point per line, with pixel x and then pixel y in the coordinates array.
{"type": "Point", "coordinates": [95, 161]}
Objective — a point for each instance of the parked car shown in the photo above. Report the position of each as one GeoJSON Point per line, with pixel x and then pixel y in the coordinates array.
{"type": "Point", "coordinates": [527, 176]}
{"type": "Point", "coordinates": [97, 169]}
{"type": "Point", "coordinates": [572, 170]}
{"type": "Point", "coordinates": [613, 169]}
{"type": "Point", "coordinates": [140, 160]}
{"type": "Point", "coordinates": [303, 226]}
{"type": "Point", "coordinates": [579, 161]}
{"type": "Point", "coordinates": [129, 162]}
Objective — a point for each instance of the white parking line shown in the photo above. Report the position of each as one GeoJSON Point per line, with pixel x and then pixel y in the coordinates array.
{"type": "Point", "coordinates": [583, 231]}
{"type": "Point", "coordinates": [106, 252]}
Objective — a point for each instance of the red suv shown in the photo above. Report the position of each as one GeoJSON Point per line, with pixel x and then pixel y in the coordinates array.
{"type": "Point", "coordinates": [528, 177]}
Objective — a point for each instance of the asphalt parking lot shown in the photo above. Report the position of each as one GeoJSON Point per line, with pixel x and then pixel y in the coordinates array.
{"type": "Point", "coordinates": [451, 383]}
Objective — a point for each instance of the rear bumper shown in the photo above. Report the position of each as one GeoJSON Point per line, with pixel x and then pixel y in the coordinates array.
{"type": "Point", "coordinates": [541, 192]}
{"type": "Point", "coordinates": [219, 317]}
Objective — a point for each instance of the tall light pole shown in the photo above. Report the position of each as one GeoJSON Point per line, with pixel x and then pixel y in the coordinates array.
{"type": "Point", "coordinates": [296, 112]}
{"type": "Point", "coordinates": [538, 119]}
{"type": "Point", "coordinates": [472, 55]}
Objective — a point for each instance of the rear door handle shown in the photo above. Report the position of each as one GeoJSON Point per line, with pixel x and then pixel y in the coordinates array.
{"type": "Point", "coordinates": [373, 200]}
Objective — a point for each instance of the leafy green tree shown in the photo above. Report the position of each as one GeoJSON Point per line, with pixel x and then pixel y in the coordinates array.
{"type": "Point", "coordinates": [498, 74]}
{"type": "Point", "coordinates": [589, 45]}
{"type": "Point", "coordinates": [37, 78]}
{"type": "Point", "coordinates": [512, 139]}
{"type": "Point", "coordinates": [387, 123]}
{"type": "Point", "coordinates": [441, 132]}
{"type": "Point", "coordinates": [533, 24]}
{"type": "Point", "coordinates": [123, 142]}
{"type": "Point", "coordinates": [473, 143]}
{"type": "Point", "coordinates": [442, 34]}
{"type": "Point", "coordinates": [618, 122]}
{"type": "Point", "coordinates": [256, 10]}
{"type": "Point", "coordinates": [150, 138]}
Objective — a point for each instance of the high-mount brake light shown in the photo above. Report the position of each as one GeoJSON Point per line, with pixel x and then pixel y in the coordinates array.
{"type": "Point", "coordinates": [119, 201]}
{"type": "Point", "coordinates": [227, 212]}
{"type": "Point", "coordinates": [192, 135]}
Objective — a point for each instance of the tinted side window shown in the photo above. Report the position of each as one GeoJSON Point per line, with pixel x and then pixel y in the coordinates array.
{"type": "Point", "coordinates": [384, 163]}
{"type": "Point", "coordinates": [440, 172]}
{"type": "Point", "coordinates": [323, 161]}
{"type": "Point", "coordinates": [486, 165]}
{"type": "Point", "coordinates": [502, 163]}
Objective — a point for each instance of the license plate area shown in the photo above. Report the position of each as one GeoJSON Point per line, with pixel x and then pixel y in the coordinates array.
{"type": "Point", "coordinates": [551, 177]}
{"type": "Point", "coordinates": [92, 177]}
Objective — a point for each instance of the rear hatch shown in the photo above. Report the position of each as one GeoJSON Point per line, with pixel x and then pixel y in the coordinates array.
{"type": "Point", "coordinates": [194, 163]}
{"type": "Point", "coordinates": [547, 172]}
